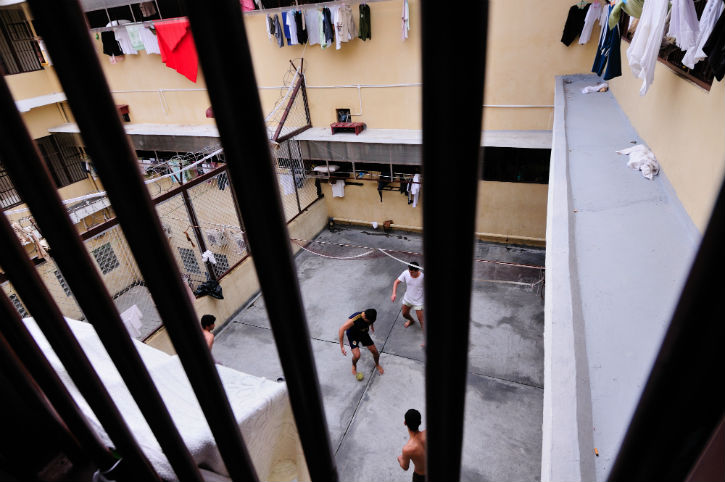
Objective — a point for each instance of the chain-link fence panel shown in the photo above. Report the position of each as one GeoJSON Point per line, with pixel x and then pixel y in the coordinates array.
{"type": "Point", "coordinates": [297, 190]}
{"type": "Point", "coordinates": [183, 241]}
{"type": "Point", "coordinates": [122, 278]}
{"type": "Point", "coordinates": [217, 219]}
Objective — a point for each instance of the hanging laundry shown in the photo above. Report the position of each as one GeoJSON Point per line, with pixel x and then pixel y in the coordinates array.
{"type": "Point", "coordinates": [344, 24]}
{"type": "Point", "coordinates": [338, 188]}
{"type": "Point", "coordinates": [710, 15]}
{"type": "Point", "coordinates": [415, 189]}
{"type": "Point", "coordinates": [285, 26]}
{"type": "Point", "coordinates": [177, 47]}
{"type": "Point", "coordinates": [148, 9]}
{"type": "Point", "coordinates": [645, 46]}
{"type": "Point", "coordinates": [247, 5]}
{"type": "Point", "coordinates": [683, 24]}
{"type": "Point", "coordinates": [269, 24]}
{"type": "Point", "coordinates": [405, 17]}
{"type": "Point", "coordinates": [301, 31]}
{"type": "Point", "coordinates": [608, 54]}
{"type": "Point", "coordinates": [122, 37]}
{"type": "Point", "coordinates": [382, 182]}
{"type": "Point", "coordinates": [291, 26]}
{"type": "Point", "coordinates": [593, 14]}
{"type": "Point", "coordinates": [150, 41]}
{"type": "Point", "coordinates": [313, 20]}
{"type": "Point", "coordinates": [633, 8]}
{"type": "Point", "coordinates": [327, 27]}
{"type": "Point", "coordinates": [574, 23]}
{"type": "Point", "coordinates": [278, 31]}
{"type": "Point", "coordinates": [134, 36]}
{"type": "Point", "coordinates": [110, 44]}
{"type": "Point", "coordinates": [364, 9]}
{"type": "Point", "coordinates": [715, 48]}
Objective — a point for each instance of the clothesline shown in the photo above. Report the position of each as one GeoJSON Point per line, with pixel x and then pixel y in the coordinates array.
{"type": "Point", "coordinates": [265, 11]}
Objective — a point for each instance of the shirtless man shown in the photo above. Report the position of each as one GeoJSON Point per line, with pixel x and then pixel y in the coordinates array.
{"type": "Point", "coordinates": [207, 325]}
{"type": "Point", "coordinates": [356, 327]}
{"type": "Point", "coordinates": [414, 449]}
{"type": "Point", "coordinates": [413, 298]}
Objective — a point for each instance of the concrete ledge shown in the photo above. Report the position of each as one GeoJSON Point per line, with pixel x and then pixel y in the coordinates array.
{"type": "Point", "coordinates": [561, 445]}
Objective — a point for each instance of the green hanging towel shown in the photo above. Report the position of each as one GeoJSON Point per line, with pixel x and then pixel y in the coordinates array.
{"type": "Point", "coordinates": [633, 8]}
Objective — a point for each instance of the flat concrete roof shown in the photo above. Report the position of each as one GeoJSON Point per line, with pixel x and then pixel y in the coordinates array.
{"type": "Point", "coordinates": [502, 439]}
{"type": "Point", "coordinates": [523, 139]}
{"type": "Point", "coordinates": [619, 248]}
{"type": "Point", "coordinates": [31, 103]}
{"type": "Point", "coordinates": [200, 130]}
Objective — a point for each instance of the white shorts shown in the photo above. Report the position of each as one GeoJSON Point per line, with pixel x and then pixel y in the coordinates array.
{"type": "Point", "coordinates": [413, 306]}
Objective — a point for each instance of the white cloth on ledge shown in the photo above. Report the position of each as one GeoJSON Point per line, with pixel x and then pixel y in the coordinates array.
{"type": "Point", "coordinates": [260, 406]}
{"type": "Point", "coordinates": [642, 159]}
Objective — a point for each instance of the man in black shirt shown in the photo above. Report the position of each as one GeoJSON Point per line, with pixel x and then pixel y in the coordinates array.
{"type": "Point", "coordinates": [356, 328]}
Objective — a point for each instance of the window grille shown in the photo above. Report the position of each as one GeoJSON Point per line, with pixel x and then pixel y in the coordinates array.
{"type": "Point", "coordinates": [8, 195]}
{"type": "Point", "coordinates": [18, 305]}
{"type": "Point", "coordinates": [106, 258]}
{"type": "Point", "coordinates": [222, 264]}
{"type": "Point", "coordinates": [62, 282]}
{"type": "Point", "coordinates": [19, 49]}
{"type": "Point", "coordinates": [189, 259]}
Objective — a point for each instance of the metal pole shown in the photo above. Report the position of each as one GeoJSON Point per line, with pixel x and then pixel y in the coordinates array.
{"type": "Point", "coordinates": [233, 92]}
{"type": "Point", "coordinates": [76, 63]}
{"type": "Point", "coordinates": [13, 329]}
{"type": "Point", "coordinates": [451, 130]}
{"type": "Point", "coordinates": [683, 401]}
{"type": "Point", "coordinates": [27, 282]}
{"type": "Point", "coordinates": [199, 236]}
{"type": "Point", "coordinates": [22, 383]}
{"type": "Point", "coordinates": [33, 182]}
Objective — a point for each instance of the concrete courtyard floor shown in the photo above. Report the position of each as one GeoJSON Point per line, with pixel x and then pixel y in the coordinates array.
{"type": "Point", "coordinates": [502, 437]}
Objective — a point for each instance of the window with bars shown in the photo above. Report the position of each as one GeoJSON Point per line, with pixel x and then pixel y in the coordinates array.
{"type": "Point", "coordinates": [222, 264]}
{"type": "Point", "coordinates": [106, 258]}
{"type": "Point", "coordinates": [189, 259]}
{"type": "Point", "coordinates": [19, 49]}
{"type": "Point", "coordinates": [9, 197]}
{"type": "Point", "coordinates": [62, 282]}
{"type": "Point", "coordinates": [18, 305]}
{"type": "Point", "coordinates": [64, 160]}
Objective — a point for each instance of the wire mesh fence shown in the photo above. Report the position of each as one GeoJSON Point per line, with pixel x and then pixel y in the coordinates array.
{"type": "Point", "coordinates": [197, 216]}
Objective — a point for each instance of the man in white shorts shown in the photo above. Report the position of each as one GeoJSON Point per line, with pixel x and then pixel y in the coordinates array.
{"type": "Point", "coordinates": [413, 299]}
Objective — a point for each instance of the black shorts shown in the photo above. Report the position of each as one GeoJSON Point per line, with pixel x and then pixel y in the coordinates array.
{"type": "Point", "coordinates": [356, 338]}
{"type": "Point", "coordinates": [418, 477]}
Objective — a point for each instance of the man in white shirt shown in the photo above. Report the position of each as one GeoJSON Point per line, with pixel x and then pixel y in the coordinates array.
{"type": "Point", "coordinates": [413, 299]}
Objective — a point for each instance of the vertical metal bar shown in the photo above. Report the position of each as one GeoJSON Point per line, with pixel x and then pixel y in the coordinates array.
{"type": "Point", "coordinates": [27, 282]}
{"type": "Point", "coordinates": [38, 191]}
{"type": "Point", "coordinates": [62, 24]}
{"type": "Point", "coordinates": [12, 369]}
{"type": "Point", "coordinates": [17, 336]}
{"type": "Point", "coordinates": [233, 92]}
{"type": "Point", "coordinates": [681, 388]}
{"type": "Point", "coordinates": [197, 229]}
{"type": "Point", "coordinates": [451, 130]}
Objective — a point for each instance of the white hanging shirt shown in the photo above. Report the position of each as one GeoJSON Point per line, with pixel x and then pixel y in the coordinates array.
{"type": "Point", "coordinates": [644, 49]}
{"type": "Point", "coordinates": [684, 26]}
{"type": "Point", "coordinates": [150, 42]}
{"type": "Point", "coordinates": [312, 19]}
{"type": "Point", "coordinates": [709, 18]}
{"type": "Point", "coordinates": [124, 41]}
{"type": "Point", "coordinates": [405, 17]}
{"type": "Point", "coordinates": [338, 188]}
{"type": "Point", "coordinates": [292, 28]}
{"type": "Point", "coordinates": [593, 14]}
{"type": "Point", "coordinates": [413, 288]}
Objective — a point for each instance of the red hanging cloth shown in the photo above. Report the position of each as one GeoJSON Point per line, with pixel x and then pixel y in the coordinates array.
{"type": "Point", "coordinates": [177, 47]}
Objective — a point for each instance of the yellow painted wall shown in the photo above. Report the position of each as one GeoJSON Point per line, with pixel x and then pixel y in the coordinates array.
{"type": "Point", "coordinates": [33, 84]}
{"type": "Point", "coordinates": [684, 125]}
{"type": "Point", "coordinates": [40, 119]}
{"type": "Point", "coordinates": [524, 56]}
{"type": "Point", "coordinates": [506, 212]}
